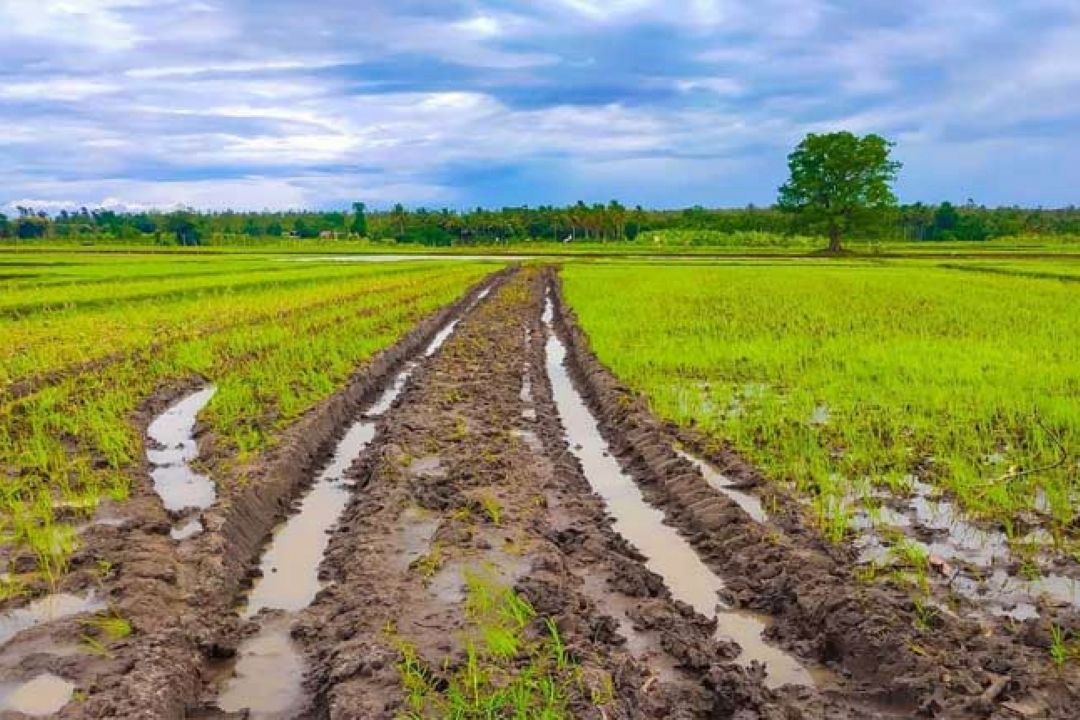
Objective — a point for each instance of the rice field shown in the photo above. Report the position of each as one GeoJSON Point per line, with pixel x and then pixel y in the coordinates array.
{"type": "Point", "coordinates": [288, 486]}
{"type": "Point", "coordinates": [845, 381]}
{"type": "Point", "coordinates": [84, 343]}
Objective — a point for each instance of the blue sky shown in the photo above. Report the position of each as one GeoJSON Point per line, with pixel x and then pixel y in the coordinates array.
{"type": "Point", "coordinates": [282, 103]}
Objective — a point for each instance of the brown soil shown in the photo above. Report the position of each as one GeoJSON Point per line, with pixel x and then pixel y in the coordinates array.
{"type": "Point", "coordinates": [454, 440]}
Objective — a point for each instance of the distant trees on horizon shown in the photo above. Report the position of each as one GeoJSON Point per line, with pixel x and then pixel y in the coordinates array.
{"type": "Point", "coordinates": [580, 222]}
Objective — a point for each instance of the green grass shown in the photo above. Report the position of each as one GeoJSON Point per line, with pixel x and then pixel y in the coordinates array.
{"type": "Point", "coordinates": [835, 379]}
{"type": "Point", "coordinates": [82, 356]}
{"type": "Point", "coordinates": [515, 664]}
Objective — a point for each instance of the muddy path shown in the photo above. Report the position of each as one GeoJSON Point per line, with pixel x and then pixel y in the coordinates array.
{"type": "Point", "coordinates": [178, 594]}
{"type": "Point", "coordinates": [912, 658]}
{"type": "Point", "coordinates": [471, 484]}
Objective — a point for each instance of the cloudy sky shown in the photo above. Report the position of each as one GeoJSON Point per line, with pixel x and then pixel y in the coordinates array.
{"type": "Point", "coordinates": [289, 103]}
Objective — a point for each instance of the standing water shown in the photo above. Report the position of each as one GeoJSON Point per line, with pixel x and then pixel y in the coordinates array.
{"type": "Point", "coordinates": [749, 503]}
{"type": "Point", "coordinates": [269, 671]}
{"type": "Point", "coordinates": [669, 554]}
{"type": "Point", "coordinates": [45, 609]}
{"type": "Point", "coordinates": [175, 481]}
{"type": "Point", "coordinates": [43, 695]}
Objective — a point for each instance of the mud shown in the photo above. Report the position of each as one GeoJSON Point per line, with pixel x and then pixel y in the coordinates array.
{"type": "Point", "coordinates": [421, 521]}
{"type": "Point", "coordinates": [749, 502]}
{"type": "Point", "coordinates": [899, 657]}
{"type": "Point", "coordinates": [46, 609]}
{"type": "Point", "coordinates": [288, 570]}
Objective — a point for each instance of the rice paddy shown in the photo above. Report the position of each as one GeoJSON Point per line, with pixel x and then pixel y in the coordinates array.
{"type": "Point", "coordinates": [842, 381]}
{"type": "Point", "coordinates": [84, 345]}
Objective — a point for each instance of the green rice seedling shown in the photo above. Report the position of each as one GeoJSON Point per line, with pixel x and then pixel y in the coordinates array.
{"type": "Point", "coordinates": [1059, 650]}
{"type": "Point", "coordinates": [94, 646]}
{"type": "Point", "coordinates": [507, 671]}
{"type": "Point", "coordinates": [492, 508]}
{"type": "Point", "coordinates": [428, 565]}
{"type": "Point", "coordinates": [275, 345]}
{"type": "Point", "coordinates": [112, 625]}
{"type": "Point", "coordinates": [953, 378]}
{"type": "Point", "coordinates": [926, 615]}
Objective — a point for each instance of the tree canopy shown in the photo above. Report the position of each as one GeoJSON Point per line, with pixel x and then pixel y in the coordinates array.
{"type": "Point", "coordinates": [840, 183]}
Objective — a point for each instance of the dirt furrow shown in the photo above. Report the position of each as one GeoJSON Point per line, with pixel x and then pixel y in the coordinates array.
{"type": "Point", "coordinates": [900, 656]}
{"type": "Point", "coordinates": [470, 492]}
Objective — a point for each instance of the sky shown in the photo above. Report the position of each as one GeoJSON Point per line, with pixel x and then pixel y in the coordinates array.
{"type": "Point", "coordinates": [272, 104]}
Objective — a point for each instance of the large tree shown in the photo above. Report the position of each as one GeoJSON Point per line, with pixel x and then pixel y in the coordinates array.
{"type": "Point", "coordinates": [840, 183]}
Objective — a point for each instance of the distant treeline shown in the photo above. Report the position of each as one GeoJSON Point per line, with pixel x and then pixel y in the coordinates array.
{"type": "Point", "coordinates": [612, 222]}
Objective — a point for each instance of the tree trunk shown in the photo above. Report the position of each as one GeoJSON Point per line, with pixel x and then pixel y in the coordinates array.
{"type": "Point", "coordinates": [834, 240]}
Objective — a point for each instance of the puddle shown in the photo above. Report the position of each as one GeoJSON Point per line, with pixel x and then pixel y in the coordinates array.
{"type": "Point", "coordinates": [44, 695]}
{"type": "Point", "coordinates": [529, 411]}
{"type": "Point", "coordinates": [526, 395]}
{"type": "Point", "coordinates": [383, 403]}
{"type": "Point", "coordinates": [415, 535]}
{"type": "Point", "coordinates": [269, 674]}
{"type": "Point", "coordinates": [45, 609]}
{"type": "Point", "coordinates": [971, 550]}
{"type": "Point", "coordinates": [751, 504]}
{"type": "Point", "coordinates": [448, 584]}
{"type": "Point", "coordinates": [430, 466]}
{"type": "Point", "coordinates": [189, 529]}
{"type": "Point", "coordinates": [962, 541]}
{"type": "Point", "coordinates": [669, 554]}
{"type": "Point", "coordinates": [176, 483]}
{"type": "Point", "coordinates": [290, 565]}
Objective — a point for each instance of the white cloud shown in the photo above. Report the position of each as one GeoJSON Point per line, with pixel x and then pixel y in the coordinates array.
{"type": "Point", "coordinates": [99, 24]}
{"type": "Point", "coordinates": [241, 67]}
{"type": "Point", "coordinates": [58, 88]}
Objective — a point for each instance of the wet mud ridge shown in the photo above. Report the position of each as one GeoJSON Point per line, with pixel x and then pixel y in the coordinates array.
{"type": "Point", "coordinates": [897, 656]}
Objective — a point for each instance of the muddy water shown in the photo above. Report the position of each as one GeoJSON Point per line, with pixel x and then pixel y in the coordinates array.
{"type": "Point", "coordinates": [290, 564]}
{"type": "Point", "coordinates": [269, 675]}
{"type": "Point", "coordinates": [178, 485]}
{"type": "Point", "coordinates": [267, 678]}
{"type": "Point", "coordinates": [43, 695]}
{"type": "Point", "coordinates": [529, 410]}
{"type": "Point", "coordinates": [749, 503]}
{"type": "Point", "coordinates": [46, 609]}
{"type": "Point", "coordinates": [187, 530]}
{"type": "Point", "coordinates": [976, 557]}
{"type": "Point", "coordinates": [669, 554]}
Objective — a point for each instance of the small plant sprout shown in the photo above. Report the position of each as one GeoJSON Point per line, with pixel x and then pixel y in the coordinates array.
{"type": "Point", "coordinates": [492, 508]}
